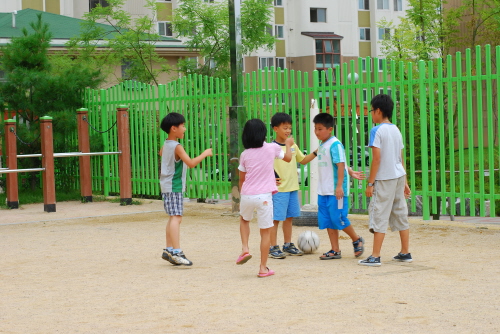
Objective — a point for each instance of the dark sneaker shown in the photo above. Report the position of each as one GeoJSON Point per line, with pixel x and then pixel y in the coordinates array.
{"type": "Point", "coordinates": [290, 249]}
{"type": "Point", "coordinates": [276, 253]}
{"type": "Point", "coordinates": [370, 261]}
{"type": "Point", "coordinates": [180, 258]}
{"type": "Point", "coordinates": [167, 256]}
{"type": "Point", "coordinates": [403, 257]}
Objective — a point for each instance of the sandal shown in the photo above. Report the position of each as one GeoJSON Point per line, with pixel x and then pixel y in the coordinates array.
{"type": "Point", "coordinates": [269, 273]}
{"type": "Point", "coordinates": [357, 248]}
{"type": "Point", "coordinates": [331, 254]}
{"type": "Point", "coordinates": [243, 258]}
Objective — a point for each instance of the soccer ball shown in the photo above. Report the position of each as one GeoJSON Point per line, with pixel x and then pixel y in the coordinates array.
{"type": "Point", "coordinates": [308, 242]}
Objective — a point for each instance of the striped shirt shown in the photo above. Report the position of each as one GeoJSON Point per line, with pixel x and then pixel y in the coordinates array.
{"type": "Point", "coordinates": [330, 153]}
{"type": "Point", "coordinates": [173, 173]}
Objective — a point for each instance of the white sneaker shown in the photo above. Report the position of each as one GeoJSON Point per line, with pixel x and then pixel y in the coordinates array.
{"type": "Point", "coordinates": [180, 258]}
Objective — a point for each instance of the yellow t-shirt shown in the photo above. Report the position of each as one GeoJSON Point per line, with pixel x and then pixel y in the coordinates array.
{"type": "Point", "coordinates": [287, 171]}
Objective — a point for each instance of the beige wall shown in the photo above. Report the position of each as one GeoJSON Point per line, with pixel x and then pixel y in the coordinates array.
{"type": "Point", "coordinates": [279, 15]}
{"type": "Point", "coordinates": [364, 19]}
{"type": "Point", "coordinates": [164, 11]}
{"type": "Point", "coordinates": [280, 48]}
{"type": "Point", "coordinates": [33, 4]}
{"type": "Point", "coordinates": [365, 49]}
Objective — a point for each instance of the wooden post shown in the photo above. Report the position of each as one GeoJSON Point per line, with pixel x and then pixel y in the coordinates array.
{"type": "Point", "coordinates": [11, 154]}
{"type": "Point", "coordinates": [49, 184]}
{"type": "Point", "coordinates": [124, 168]}
{"type": "Point", "coordinates": [84, 147]}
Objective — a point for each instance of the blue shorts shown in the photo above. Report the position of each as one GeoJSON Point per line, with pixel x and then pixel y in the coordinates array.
{"type": "Point", "coordinates": [286, 205]}
{"type": "Point", "coordinates": [329, 214]}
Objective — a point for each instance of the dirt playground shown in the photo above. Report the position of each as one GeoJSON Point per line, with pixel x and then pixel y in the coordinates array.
{"type": "Point", "coordinates": [97, 268]}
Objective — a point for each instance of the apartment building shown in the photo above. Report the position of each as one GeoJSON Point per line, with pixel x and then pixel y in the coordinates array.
{"type": "Point", "coordinates": [311, 35]}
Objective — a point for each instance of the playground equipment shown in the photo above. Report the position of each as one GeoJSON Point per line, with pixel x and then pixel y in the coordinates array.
{"type": "Point", "coordinates": [48, 155]}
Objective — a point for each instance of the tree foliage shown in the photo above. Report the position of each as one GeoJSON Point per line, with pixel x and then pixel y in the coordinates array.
{"type": "Point", "coordinates": [426, 32]}
{"type": "Point", "coordinates": [39, 84]}
{"type": "Point", "coordinates": [205, 27]}
{"type": "Point", "coordinates": [130, 40]}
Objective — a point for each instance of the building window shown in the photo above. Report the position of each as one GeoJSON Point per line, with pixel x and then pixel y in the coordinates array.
{"type": "Point", "coordinates": [273, 98]}
{"type": "Point", "coordinates": [278, 3]}
{"type": "Point", "coordinates": [384, 33]}
{"type": "Point", "coordinates": [269, 29]}
{"type": "Point", "coordinates": [381, 64]}
{"type": "Point", "coordinates": [364, 34]}
{"type": "Point", "coordinates": [387, 91]}
{"type": "Point", "coordinates": [281, 62]}
{"type": "Point", "coordinates": [210, 62]}
{"type": "Point", "coordinates": [265, 62]}
{"type": "Point", "coordinates": [382, 4]}
{"type": "Point", "coordinates": [364, 4]}
{"type": "Point", "coordinates": [398, 5]}
{"type": "Point", "coordinates": [3, 76]}
{"type": "Point", "coordinates": [327, 54]}
{"type": "Point", "coordinates": [318, 14]}
{"type": "Point", "coordinates": [279, 31]}
{"type": "Point", "coordinates": [93, 3]}
{"type": "Point", "coordinates": [165, 29]}
{"type": "Point", "coordinates": [364, 63]}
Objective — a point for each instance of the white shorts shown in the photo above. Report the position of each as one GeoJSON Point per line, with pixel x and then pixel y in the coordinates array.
{"type": "Point", "coordinates": [263, 204]}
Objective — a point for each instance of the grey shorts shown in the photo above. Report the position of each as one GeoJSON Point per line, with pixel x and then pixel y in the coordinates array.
{"type": "Point", "coordinates": [173, 203]}
{"type": "Point", "coordinates": [388, 206]}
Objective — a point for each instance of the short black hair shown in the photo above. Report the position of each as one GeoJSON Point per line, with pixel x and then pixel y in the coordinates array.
{"type": "Point", "coordinates": [324, 119]}
{"type": "Point", "coordinates": [383, 102]}
{"type": "Point", "coordinates": [280, 118]}
{"type": "Point", "coordinates": [172, 119]}
{"type": "Point", "coordinates": [254, 133]}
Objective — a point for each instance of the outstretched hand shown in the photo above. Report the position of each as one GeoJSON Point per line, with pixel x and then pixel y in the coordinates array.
{"type": "Point", "coordinates": [208, 152]}
{"type": "Point", "coordinates": [358, 175]}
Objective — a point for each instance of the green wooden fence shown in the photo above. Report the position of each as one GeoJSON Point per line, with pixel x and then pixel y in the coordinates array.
{"type": "Point", "coordinates": [447, 110]}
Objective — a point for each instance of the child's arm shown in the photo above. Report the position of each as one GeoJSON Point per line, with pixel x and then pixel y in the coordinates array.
{"type": "Point", "coordinates": [373, 170]}
{"type": "Point", "coordinates": [308, 158]}
{"type": "Point", "coordinates": [242, 178]}
{"type": "Point", "coordinates": [181, 153]}
{"type": "Point", "coordinates": [288, 154]}
{"type": "Point", "coordinates": [339, 191]}
{"type": "Point", "coordinates": [407, 187]}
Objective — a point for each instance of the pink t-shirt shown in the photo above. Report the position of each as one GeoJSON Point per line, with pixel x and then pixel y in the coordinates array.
{"type": "Point", "coordinates": [258, 163]}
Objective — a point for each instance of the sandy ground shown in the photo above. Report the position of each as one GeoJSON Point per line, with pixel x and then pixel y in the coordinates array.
{"type": "Point", "coordinates": [103, 273]}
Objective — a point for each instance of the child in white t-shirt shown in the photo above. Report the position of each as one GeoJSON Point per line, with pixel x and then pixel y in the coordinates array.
{"type": "Point", "coordinates": [257, 184]}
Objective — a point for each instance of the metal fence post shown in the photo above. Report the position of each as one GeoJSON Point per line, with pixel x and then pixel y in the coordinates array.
{"type": "Point", "coordinates": [124, 168]}
{"type": "Point", "coordinates": [11, 154]}
{"type": "Point", "coordinates": [84, 147]}
{"type": "Point", "coordinates": [49, 184]}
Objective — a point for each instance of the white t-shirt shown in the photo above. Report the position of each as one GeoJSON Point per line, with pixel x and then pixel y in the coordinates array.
{"type": "Point", "coordinates": [387, 137]}
{"type": "Point", "coordinates": [330, 153]}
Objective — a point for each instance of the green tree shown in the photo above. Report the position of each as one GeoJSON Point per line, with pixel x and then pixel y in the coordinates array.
{"type": "Point", "coordinates": [41, 85]}
{"type": "Point", "coordinates": [126, 40]}
{"type": "Point", "coordinates": [481, 21]}
{"type": "Point", "coordinates": [205, 26]}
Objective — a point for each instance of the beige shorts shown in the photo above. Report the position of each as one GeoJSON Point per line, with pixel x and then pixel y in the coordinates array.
{"type": "Point", "coordinates": [388, 206]}
{"type": "Point", "coordinates": [263, 204]}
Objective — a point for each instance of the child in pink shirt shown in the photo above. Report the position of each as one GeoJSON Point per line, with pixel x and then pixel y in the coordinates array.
{"type": "Point", "coordinates": [258, 184]}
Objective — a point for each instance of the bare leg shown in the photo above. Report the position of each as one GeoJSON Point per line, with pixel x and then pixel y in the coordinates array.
{"type": "Point", "coordinates": [334, 239]}
{"type": "Point", "coordinates": [405, 241]}
{"type": "Point", "coordinates": [245, 235]}
{"type": "Point", "coordinates": [265, 243]}
{"type": "Point", "coordinates": [274, 233]}
{"type": "Point", "coordinates": [354, 237]}
{"type": "Point", "coordinates": [351, 233]}
{"type": "Point", "coordinates": [378, 239]}
{"type": "Point", "coordinates": [173, 231]}
{"type": "Point", "coordinates": [287, 230]}
{"type": "Point", "coordinates": [169, 241]}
